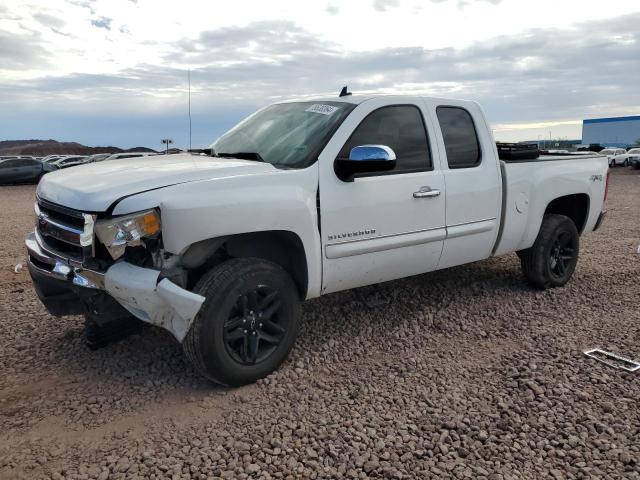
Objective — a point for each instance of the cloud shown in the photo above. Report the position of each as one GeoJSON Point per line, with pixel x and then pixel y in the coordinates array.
{"type": "Point", "coordinates": [332, 10]}
{"type": "Point", "coordinates": [49, 20]}
{"type": "Point", "coordinates": [22, 51]}
{"type": "Point", "coordinates": [466, 3]}
{"type": "Point", "coordinates": [384, 5]}
{"type": "Point", "coordinates": [543, 74]}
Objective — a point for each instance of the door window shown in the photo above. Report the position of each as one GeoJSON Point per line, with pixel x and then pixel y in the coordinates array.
{"type": "Point", "coordinates": [460, 137]}
{"type": "Point", "coordinates": [399, 127]}
{"type": "Point", "coordinates": [11, 163]}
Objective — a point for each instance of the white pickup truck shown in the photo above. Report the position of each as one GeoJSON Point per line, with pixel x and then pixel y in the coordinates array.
{"type": "Point", "coordinates": [301, 199]}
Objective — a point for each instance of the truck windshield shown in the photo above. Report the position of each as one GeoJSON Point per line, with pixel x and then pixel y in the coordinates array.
{"type": "Point", "coordinates": [289, 135]}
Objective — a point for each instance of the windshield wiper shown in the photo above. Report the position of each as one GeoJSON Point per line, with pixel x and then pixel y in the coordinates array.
{"type": "Point", "coordinates": [242, 155]}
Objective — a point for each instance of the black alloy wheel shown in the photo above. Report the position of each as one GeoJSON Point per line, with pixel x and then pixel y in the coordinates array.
{"type": "Point", "coordinates": [254, 328]}
{"type": "Point", "coordinates": [563, 254]}
{"type": "Point", "coordinates": [552, 259]}
{"type": "Point", "coordinates": [247, 324]}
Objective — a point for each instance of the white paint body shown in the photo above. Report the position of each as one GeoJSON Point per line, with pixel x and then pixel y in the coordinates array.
{"type": "Point", "coordinates": [201, 198]}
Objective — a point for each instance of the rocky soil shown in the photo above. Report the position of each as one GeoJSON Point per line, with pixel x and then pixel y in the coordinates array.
{"type": "Point", "coordinates": [466, 373]}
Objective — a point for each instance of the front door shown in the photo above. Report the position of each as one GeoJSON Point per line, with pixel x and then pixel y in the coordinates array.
{"type": "Point", "coordinates": [383, 225]}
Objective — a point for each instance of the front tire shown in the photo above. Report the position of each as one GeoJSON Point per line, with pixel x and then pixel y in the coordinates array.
{"type": "Point", "coordinates": [552, 259]}
{"type": "Point", "coordinates": [626, 163]}
{"type": "Point", "coordinates": [248, 323]}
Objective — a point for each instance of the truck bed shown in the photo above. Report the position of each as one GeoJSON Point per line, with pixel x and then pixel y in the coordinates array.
{"type": "Point", "coordinates": [530, 185]}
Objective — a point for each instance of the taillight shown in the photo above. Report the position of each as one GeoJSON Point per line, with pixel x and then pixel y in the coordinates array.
{"type": "Point", "coordinates": [606, 186]}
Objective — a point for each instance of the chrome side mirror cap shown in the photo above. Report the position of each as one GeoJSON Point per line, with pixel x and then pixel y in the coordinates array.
{"type": "Point", "coordinates": [376, 153]}
{"type": "Point", "coordinates": [365, 159]}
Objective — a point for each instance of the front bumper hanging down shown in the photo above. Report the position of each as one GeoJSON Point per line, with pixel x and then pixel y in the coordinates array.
{"type": "Point", "coordinates": [62, 285]}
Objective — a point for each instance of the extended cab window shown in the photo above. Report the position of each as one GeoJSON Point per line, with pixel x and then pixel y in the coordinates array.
{"type": "Point", "coordinates": [460, 137]}
{"type": "Point", "coordinates": [399, 127]}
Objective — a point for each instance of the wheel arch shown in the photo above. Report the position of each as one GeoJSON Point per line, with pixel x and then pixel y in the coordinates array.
{"type": "Point", "coordinates": [574, 206]}
{"type": "Point", "coordinates": [283, 247]}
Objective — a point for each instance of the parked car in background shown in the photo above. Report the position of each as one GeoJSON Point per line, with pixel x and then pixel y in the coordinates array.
{"type": "Point", "coordinates": [634, 158]}
{"type": "Point", "coordinates": [52, 158]}
{"type": "Point", "coordinates": [70, 161]}
{"type": "Point", "coordinates": [616, 156]}
{"type": "Point", "coordinates": [98, 157]}
{"type": "Point", "coordinates": [119, 156]}
{"type": "Point", "coordinates": [23, 170]}
{"type": "Point", "coordinates": [24, 157]}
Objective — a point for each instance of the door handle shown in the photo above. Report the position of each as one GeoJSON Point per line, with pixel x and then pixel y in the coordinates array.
{"type": "Point", "coordinates": [426, 192]}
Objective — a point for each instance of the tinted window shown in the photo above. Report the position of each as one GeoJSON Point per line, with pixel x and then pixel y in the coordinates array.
{"type": "Point", "coordinates": [399, 127]}
{"type": "Point", "coordinates": [12, 163]}
{"type": "Point", "coordinates": [460, 138]}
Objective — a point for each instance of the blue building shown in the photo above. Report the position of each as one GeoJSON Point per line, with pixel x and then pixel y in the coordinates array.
{"type": "Point", "coordinates": [611, 132]}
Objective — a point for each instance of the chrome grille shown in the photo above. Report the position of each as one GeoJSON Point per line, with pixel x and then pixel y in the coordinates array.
{"type": "Point", "coordinates": [65, 231]}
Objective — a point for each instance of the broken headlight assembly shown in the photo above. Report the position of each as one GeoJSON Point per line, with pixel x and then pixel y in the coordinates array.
{"type": "Point", "coordinates": [116, 234]}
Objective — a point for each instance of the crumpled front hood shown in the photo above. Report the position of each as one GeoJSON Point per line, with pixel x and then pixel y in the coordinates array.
{"type": "Point", "coordinates": [95, 187]}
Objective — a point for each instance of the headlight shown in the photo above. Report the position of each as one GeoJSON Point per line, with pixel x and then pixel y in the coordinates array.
{"type": "Point", "coordinates": [118, 233]}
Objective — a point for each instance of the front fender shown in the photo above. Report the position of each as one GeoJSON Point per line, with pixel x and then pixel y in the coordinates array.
{"type": "Point", "coordinates": [201, 210]}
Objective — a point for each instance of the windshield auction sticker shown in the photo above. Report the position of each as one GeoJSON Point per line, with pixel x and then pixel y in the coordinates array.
{"type": "Point", "coordinates": [323, 109]}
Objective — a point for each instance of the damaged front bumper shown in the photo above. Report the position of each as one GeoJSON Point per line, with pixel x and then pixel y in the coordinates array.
{"type": "Point", "coordinates": [65, 287]}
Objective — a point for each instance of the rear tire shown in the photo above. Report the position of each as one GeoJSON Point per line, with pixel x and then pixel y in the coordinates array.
{"type": "Point", "coordinates": [552, 259]}
{"type": "Point", "coordinates": [626, 163]}
{"type": "Point", "coordinates": [248, 323]}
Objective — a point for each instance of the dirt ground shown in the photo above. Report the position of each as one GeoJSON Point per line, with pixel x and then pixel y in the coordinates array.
{"type": "Point", "coordinates": [466, 373]}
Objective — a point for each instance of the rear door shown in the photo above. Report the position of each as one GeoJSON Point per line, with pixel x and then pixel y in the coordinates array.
{"type": "Point", "coordinates": [473, 182]}
{"type": "Point", "coordinates": [378, 227]}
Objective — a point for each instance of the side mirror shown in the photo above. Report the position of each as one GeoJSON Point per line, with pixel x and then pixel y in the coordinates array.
{"type": "Point", "coordinates": [365, 159]}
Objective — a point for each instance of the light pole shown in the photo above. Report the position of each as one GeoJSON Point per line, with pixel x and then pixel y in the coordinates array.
{"type": "Point", "coordinates": [167, 142]}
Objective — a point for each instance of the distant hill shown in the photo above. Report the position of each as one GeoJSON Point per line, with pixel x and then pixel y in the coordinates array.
{"type": "Point", "coordinates": [50, 147]}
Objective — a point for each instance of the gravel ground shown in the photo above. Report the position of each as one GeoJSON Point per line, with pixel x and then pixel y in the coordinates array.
{"type": "Point", "coordinates": [466, 373]}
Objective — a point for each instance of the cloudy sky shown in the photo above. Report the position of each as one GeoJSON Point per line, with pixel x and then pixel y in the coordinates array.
{"type": "Point", "coordinates": [114, 72]}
